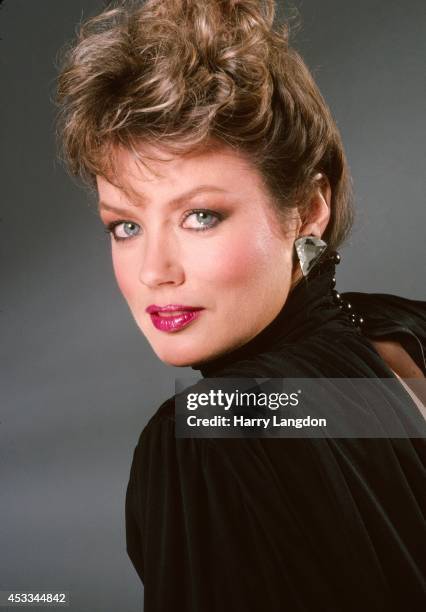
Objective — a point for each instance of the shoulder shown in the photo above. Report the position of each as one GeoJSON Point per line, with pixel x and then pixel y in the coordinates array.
{"type": "Point", "coordinates": [392, 318]}
{"type": "Point", "coordinates": [163, 414]}
{"type": "Point", "coordinates": [158, 444]}
{"type": "Point", "coordinates": [160, 456]}
{"type": "Point", "coordinates": [160, 425]}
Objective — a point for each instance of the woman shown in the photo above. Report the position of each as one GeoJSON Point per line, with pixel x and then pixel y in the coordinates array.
{"type": "Point", "coordinates": [224, 185]}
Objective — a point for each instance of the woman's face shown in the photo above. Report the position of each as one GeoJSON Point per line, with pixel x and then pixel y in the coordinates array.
{"type": "Point", "coordinates": [196, 232]}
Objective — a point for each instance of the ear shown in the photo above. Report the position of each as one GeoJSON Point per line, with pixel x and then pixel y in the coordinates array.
{"type": "Point", "coordinates": [318, 214]}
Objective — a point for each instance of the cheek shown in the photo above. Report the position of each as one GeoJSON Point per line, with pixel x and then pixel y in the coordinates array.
{"type": "Point", "coordinates": [240, 262]}
{"type": "Point", "coordinates": [124, 271]}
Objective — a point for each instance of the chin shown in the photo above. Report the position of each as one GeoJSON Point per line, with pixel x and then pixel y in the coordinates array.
{"type": "Point", "coordinates": [179, 357]}
{"type": "Point", "coordinates": [185, 354]}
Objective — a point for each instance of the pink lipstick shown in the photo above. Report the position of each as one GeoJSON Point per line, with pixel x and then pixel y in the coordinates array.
{"type": "Point", "coordinates": [172, 317]}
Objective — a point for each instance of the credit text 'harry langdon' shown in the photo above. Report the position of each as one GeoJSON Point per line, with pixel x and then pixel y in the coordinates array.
{"type": "Point", "coordinates": [241, 421]}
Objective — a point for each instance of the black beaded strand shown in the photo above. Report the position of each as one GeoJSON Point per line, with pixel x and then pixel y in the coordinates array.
{"type": "Point", "coordinates": [355, 318]}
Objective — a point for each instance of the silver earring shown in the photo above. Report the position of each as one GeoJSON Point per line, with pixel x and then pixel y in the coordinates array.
{"type": "Point", "coordinates": [308, 249]}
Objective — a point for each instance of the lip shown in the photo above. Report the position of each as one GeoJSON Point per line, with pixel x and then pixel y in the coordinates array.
{"type": "Point", "coordinates": [172, 323]}
{"type": "Point", "coordinates": [153, 308]}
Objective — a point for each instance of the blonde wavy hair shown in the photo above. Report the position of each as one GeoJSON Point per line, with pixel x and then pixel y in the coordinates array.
{"type": "Point", "coordinates": [183, 74]}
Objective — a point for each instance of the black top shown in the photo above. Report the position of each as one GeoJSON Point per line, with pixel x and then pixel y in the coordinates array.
{"type": "Point", "coordinates": [260, 524]}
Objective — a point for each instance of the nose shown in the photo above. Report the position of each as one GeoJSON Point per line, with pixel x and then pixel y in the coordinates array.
{"type": "Point", "coordinates": [160, 264]}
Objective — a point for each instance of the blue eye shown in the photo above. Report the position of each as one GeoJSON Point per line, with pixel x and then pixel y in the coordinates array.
{"type": "Point", "coordinates": [201, 219]}
{"type": "Point", "coordinates": [198, 220]}
{"type": "Point", "coordinates": [123, 230]}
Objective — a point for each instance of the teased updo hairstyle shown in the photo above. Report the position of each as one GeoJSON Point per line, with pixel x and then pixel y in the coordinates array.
{"type": "Point", "coordinates": [182, 73]}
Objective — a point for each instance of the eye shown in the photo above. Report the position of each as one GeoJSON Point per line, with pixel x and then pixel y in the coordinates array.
{"type": "Point", "coordinates": [122, 230]}
{"type": "Point", "coordinates": [201, 219]}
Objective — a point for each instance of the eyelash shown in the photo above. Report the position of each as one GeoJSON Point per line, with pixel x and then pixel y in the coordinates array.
{"type": "Point", "coordinates": [109, 229]}
{"type": "Point", "coordinates": [111, 226]}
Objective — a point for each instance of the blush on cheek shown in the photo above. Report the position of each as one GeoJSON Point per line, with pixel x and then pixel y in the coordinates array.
{"type": "Point", "coordinates": [237, 263]}
{"type": "Point", "coordinates": [222, 274]}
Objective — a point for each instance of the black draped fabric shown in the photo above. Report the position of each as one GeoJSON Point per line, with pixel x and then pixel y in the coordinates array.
{"type": "Point", "coordinates": [292, 525]}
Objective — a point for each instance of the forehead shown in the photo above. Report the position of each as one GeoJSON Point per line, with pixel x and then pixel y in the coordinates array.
{"type": "Point", "coordinates": [153, 174]}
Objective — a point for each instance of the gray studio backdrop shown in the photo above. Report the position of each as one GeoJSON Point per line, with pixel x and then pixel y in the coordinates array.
{"type": "Point", "coordinates": [78, 381]}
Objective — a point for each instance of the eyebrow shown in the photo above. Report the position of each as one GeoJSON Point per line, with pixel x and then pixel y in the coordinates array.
{"type": "Point", "coordinates": [171, 203]}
